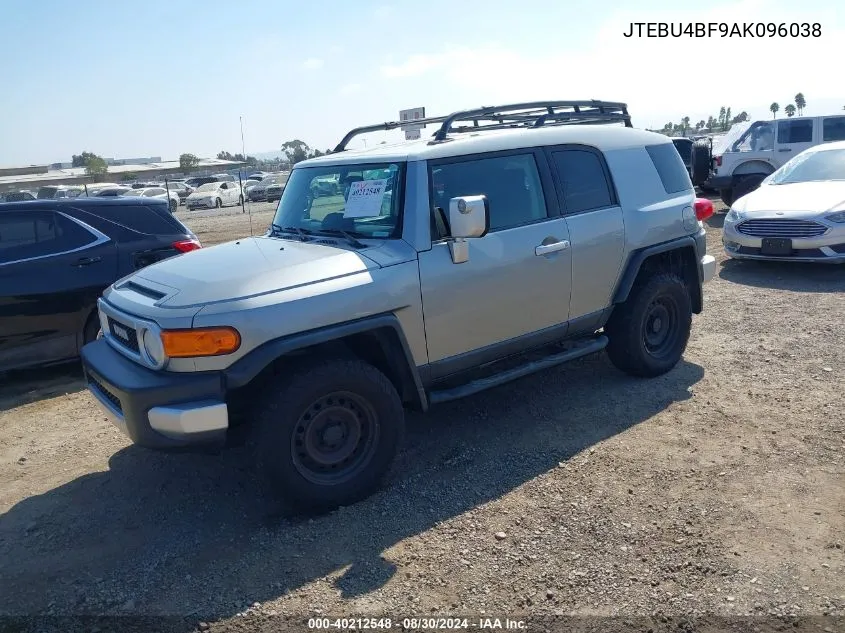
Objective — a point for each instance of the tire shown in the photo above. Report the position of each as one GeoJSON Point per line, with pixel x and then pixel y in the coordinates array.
{"type": "Point", "coordinates": [636, 346]}
{"type": "Point", "coordinates": [700, 162]}
{"type": "Point", "coordinates": [173, 206]}
{"type": "Point", "coordinates": [727, 196]}
{"type": "Point", "coordinates": [218, 204]}
{"type": "Point", "coordinates": [368, 416]}
{"type": "Point", "coordinates": [746, 184]}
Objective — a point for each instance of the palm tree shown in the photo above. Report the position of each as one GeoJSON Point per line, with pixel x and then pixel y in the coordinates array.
{"type": "Point", "coordinates": [800, 103]}
{"type": "Point", "coordinates": [774, 108]}
{"type": "Point", "coordinates": [790, 110]}
{"type": "Point", "coordinates": [702, 124]}
{"type": "Point", "coordinates": [685, 124]}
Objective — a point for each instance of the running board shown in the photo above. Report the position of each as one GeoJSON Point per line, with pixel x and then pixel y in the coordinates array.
{"type": "Point", "coordinates": [584, 348]}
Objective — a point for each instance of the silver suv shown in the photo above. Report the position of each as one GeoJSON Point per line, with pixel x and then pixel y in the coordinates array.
{"type": "Point", "coordinates": [514, 239]}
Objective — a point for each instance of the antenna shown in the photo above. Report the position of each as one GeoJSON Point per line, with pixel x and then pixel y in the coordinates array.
{"type": "Point", "coordinates": [240, 182]}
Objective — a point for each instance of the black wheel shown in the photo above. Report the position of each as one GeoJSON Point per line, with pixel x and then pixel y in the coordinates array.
{"type": "Point", "coordinates": [649, 332]}
{"type": "Point", "coordinates": [92, 329]}
{"type": "Point", "coordinates": [746, 184]}
{"type": "Point", "coordinates": [173, 206]}
{"type": "Point", "coordinates": [700, 162]}
{"type": "Point", "coordinates": [727, 196]}
{"type": "Point", "coordinates": [218, 203]}
{"type": "Point", "coordinates": [329, 436]}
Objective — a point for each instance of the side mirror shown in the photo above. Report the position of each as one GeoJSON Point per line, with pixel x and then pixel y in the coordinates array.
{"type": "Point", "coordinates": [469, 217]}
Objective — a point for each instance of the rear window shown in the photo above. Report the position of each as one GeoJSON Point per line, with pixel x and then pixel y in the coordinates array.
{"type": "Point", "coordinates": [139, 218]}
{"type": "Point", "coordinates": [671, 169]}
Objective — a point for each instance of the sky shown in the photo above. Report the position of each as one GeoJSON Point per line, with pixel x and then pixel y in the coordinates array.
{"type": "Point", "coordinates": [166, 77]}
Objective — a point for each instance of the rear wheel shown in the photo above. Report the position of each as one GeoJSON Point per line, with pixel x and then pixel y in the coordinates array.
{"type": "Point", "coordinates": [649, 332]}
{"type": "Point", "coordinates": [329, 436]}
{"type": "Point", "coordinates": [218, 203]}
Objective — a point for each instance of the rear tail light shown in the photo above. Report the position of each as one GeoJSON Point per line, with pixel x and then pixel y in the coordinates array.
{"type": "Point", "coordinates": [186, 246]}
{"type": "Point", "coordinates": [717, 160]}
{"type": "Point", "coordinates": [703, 208]}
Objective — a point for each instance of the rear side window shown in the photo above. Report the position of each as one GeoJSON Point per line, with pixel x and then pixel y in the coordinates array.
{"type": "Point", "coordinates": [39, 233]}
{"type": "Point", "coordinates": [671, 169]}
{"type": "Point", "coordinates": [139, 218]}
{"type": "Point", "coordinates": [583, 179]}
{"type": "Point", "coordinates": [833, 129]}
{"type": "Point", "coordinates": [795, 131]}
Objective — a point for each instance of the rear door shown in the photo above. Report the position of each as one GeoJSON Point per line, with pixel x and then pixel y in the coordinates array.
{"type": "Point", "coordinates": [593, 215]}
{"type": "Point", "coordinates": [793, 137]}
{"type": "Point", "coordinates": [52, 269]}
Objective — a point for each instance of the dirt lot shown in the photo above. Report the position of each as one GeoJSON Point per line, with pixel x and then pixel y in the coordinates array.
{"type": "Point", "coordinates": [716, 489]}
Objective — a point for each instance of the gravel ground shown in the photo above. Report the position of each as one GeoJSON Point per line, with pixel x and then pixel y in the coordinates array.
{"type": "Point", "coordinates": [714, 490]}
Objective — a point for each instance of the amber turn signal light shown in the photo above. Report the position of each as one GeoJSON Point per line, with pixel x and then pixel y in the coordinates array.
{"type": "Point", "coordinates": [210, 341]}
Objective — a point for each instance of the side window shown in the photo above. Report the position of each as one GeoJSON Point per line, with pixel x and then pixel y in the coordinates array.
{"type": "Point", "coordinates": [39, 233]}
{"type": "Point", "coordinates": [795, 131]}
{"type": "Point", "coordinates": [511, 184]}
{"type": "Point", "coordinates": [671, 169]}
{"type": "Point", "coordinates": [583, 179]}
{"type": "Point", "coordinates": [138, 218]}
{"type": "Point", "coordinates": [224, 185]}
{"type": "Point", "coordinates": [833, 129]}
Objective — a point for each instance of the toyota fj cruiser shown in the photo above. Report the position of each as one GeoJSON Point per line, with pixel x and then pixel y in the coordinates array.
{"type": "Point", "coordinates": [516, 238]}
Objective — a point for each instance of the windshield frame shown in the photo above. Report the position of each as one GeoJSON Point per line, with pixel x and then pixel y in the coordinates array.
{"type": "Point", "coordinates": [397, 198]}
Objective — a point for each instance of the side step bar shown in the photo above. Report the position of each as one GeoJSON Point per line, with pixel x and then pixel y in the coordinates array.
{"type": "Point", "coordinates": [590, 346]}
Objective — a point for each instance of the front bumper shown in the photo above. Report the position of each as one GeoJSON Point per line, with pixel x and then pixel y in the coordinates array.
{"type": "Point", "coordinates": [157, 409]}
{"type": "Point", "coordinates": [826, 249]}
{"type": "Point", "coordinates": [257, 196]}
{"type": "Point", "coordinates": [199, 204]}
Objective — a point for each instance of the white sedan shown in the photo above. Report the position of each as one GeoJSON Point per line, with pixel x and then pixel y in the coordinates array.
{"type": "Point", "coordinates": [214, 194]}
{"type": "Point", "coordinates": [797, 214]}
{"type": "Point", "coordinates": [156, 192]}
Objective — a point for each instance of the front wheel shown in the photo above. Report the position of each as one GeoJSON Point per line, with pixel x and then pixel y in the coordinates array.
{"type": "Point", "coordinates": [649, 332]}
{"type": "Point", "coordinates": [218, 203]}
{"type": "Point", "coordinates": [329, 436]}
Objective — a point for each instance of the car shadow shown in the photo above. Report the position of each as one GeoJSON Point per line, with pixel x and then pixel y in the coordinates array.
{"type": "Point", "coordinates": [155, 528]}
{"type": "Point", "coordinates": [24, 386]}
{"type": "Point", "coordinates": [794, 276]}
{"type": "Point", "coordinates": [716, 221]}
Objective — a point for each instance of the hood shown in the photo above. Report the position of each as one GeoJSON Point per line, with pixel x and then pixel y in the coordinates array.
{"type": "Point", "coordinates": [203, 194]}
{"type": "Point", "coordinates": [249, 267]}
{"type": "Point", "coordinates": [798, 200]}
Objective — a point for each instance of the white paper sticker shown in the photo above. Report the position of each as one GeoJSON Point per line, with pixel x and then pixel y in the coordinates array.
{"type": "Point", "coordinates": [365, 197]}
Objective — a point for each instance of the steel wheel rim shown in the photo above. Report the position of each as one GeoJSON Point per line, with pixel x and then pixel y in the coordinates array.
{"type": "Point", "coordinates": [334, 438]}
{"type": "Point", "coordinates": [661, 327]}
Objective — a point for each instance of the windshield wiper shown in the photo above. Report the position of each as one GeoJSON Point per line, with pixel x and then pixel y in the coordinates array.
{"type": "Point", "coordinates": [302, 234]}
{"type": "Point", "coordinates": [353, 241]}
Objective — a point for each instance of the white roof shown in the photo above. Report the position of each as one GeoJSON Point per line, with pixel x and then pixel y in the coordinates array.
{"type": "Point", "coordinates": [604, 137]}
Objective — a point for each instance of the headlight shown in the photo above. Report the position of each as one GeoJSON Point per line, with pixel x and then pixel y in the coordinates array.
{"type": "Point", "coordinates": [154, 347]}
{"type": "Point", "coordinates": [732, 216]}
{"type": "Point", "coordinates": [838, 217]}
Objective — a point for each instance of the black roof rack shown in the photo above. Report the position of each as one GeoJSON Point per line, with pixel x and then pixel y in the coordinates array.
{"type": "Point", "coordinates": [533, 114]}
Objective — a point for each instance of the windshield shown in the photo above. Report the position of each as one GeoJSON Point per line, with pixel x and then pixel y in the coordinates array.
{"type": "Point", "coordinates": [209, 186]}
{"type": "Point", "coordinates": [811, 167]}
{"type": "Point", "coordinates": [363, 200]}
{"type": "Point", "coordinates": [758, 137]}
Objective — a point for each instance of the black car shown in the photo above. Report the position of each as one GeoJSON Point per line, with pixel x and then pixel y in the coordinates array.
{"type": "Point", "coordinates": [56, 259]}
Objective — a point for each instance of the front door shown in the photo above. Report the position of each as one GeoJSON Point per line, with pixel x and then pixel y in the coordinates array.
{"type": "Point", "coordinates": [509, 288]}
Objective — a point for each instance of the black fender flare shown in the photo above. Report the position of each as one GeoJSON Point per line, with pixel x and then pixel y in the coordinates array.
{"type": "Point", "coordinates": [242, 371]}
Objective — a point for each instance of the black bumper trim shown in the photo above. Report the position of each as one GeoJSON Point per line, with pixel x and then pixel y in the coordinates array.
{"type": "Point", "coordinates": [134, 390]}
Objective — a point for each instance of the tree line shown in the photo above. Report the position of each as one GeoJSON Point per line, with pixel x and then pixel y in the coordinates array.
{"type": "Point", "coordinates": [791, 108]}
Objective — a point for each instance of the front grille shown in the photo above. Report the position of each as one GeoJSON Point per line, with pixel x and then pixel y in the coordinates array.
{"type": "Point", "coordinates": [781, 228]}
{"type": "Point", "coordinates": [108, 395]}
{"type": "Point", "coordinates": [117, 329]}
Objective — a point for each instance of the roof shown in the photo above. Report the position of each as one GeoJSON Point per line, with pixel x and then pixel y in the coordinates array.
{"type": "Point", "coordinates": [603, 137]}
{"type": "Point", "coordinates": [80, 202]}
{"type": "Point", "coordinates": [79, 172]}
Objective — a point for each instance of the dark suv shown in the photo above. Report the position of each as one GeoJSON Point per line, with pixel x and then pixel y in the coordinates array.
{"type": "Point", "coordinates": [57, 257]}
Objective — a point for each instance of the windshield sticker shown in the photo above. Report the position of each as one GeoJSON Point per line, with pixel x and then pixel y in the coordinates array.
{"type": "Point", "coordinates": [365, 198]}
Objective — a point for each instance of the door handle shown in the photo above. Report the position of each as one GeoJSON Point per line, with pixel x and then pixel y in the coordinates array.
{"type": "Point", "coordinates": [545, 249]}
{"type": "Point", "coordinates": [87, 261]}
{"type": "Point", "coordinates": [785, 149]}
